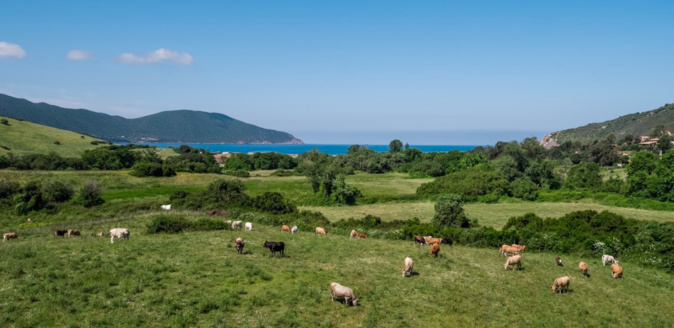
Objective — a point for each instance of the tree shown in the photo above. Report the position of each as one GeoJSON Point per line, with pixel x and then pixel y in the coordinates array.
{"type": "Point", "coordinates": [449, 212]}
{"type": "Point", "coordinates": [57, 191]}
{"type": "Point", "coordinates": [584, 176]}
{"type": "Point", "coordinates": [659, 130]}
{"type": "Point", "coordinates": [664, 143]}
{"type": "Point", "coordinates": [395, 146]}
{"type": "Point", "coordinates": [407, 146]}
{"type": "Point", "coordinates": [345, 194]}
{"type": "Point", "coordinates": [90, 194]}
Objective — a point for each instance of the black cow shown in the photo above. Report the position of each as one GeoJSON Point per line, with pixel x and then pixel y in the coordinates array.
{"type": "Point", "coordinates": [60, 233]}
{"type": "Point", "coordinates": [275, 246]}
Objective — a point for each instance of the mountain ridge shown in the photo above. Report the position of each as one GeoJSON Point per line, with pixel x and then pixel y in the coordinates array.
{"type": "Point", "coordinates": [182, 125]}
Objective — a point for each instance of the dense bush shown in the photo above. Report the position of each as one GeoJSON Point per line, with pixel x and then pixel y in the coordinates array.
{"type": "Point", "coordinates": [524, 189]}
{"type": "Point", "coordinates": [272, 202]}
{"type": "Point", "coordinates": [151, 169]}
{"type": "Point", "coordinates": [237, 173]}
{"type": "Point", "coordinates": [57, 191]}
{"type": "Point", "coordinates": [8, 188]}
{"type": "Point", "coordinates": [173, 224]}
{"type": "Point", "coordinates": [29, 199]}
{"type": "Point", "coordinates": [468, 183]}
{"type": "Point", "coordinates": [449, 212]}
{"type": "Point", "coordinates": [90, 194]}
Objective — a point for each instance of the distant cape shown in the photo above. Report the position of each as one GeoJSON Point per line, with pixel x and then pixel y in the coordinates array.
{"type": "Point", "coordinates": [178, 126]}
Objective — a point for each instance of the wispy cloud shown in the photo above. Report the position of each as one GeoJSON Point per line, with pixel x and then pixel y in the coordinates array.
{"type": "Point", "coordinates": [8, 50]}
{"type": "Point", "coordinates": [157, 56]}
{"type": "Point", "coordinates": [79, 55]}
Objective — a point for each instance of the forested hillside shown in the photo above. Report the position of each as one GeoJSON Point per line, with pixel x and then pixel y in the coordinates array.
{"type": "Point", "coordinates": [185, 126]}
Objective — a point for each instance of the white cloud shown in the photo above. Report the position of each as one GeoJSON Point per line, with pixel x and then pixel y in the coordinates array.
{"type": "Point", "coordinates": [157, 56]}
{"type": "Point", "coordinates": [79, 55]}
{"type": "Point", "coordinates": [11, 50]}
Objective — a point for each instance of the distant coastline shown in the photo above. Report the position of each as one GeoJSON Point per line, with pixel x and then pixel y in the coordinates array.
{"type": "Point", "coordinates": [331, 149]}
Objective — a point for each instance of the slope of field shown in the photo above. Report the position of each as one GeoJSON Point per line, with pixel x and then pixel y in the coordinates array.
{"type": "Point", "coordinates": [198, 279]}
{"type": "Point", "coordinates": [186, 126]}
{"type": "Point", "coordinates": [22, 137]}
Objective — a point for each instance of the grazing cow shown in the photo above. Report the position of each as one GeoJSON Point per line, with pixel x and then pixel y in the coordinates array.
{"type": "Point", "coordinates": [583, 268]}
{"type": "Point", "coordinates": [237, 224]}
{"type": "Point", "coordinates": [407, 270]}
{"type": "Point", "coordinates": [435, 249]}
{"type": "Point", "coordinates": [558, 260]}
{"type": "Point", "coordinates": [119, 233]}
{"type": "Point", "coordinates": [320, 231]}
{"type": "Point", "coordinates": [360, 235]}
{"type": "Point", "coordinates": [505, 249]}
{"type": "Point", "coordinates": [100, 234]}
{"type": "Point", "coordinates": [249, 226]}
{"type": "Point", "coordinates": [608, 259]}
{"type": "Point", "coordinates": [275, 246]}
{"type": "Point", "coordinates": [29, 220]}
{"type": "Point", "coordinates": [166, 207]}
{"type": "Point", "coordinates": [60, 233]}
{"type": "Point", "coordinates": [339, 291]}
{"type": "Point", "coordinates": [520, 247]}
{"type": "Point", "coordinates": [238, 244]}
{"type": "Point", "coordinates": [513, 260]}
{"type": "Point", "coordinates": [418, 240]}
{"type": "Point", "coordinates": [73, 232]}
{"type": "Point", "coordinates": [353, 233]}
{"type": "Point", "coordinates": [228, 222]}
{"type": "Point", "coordinates": [431, 240]}
{"type": "Point", "coordinates": [285, 228]}
{"type": "Point", "coordinates": [294, 230]}
{"type": "Point", "coordinates": [8, 236]}
{"type": "Point", "coordinates": [561, 283]}
{"type": "Point", "coordinates": [616, 271]}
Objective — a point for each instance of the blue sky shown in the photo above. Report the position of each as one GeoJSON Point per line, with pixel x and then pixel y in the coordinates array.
{"type": "Point", "coordinates": [427, 72]}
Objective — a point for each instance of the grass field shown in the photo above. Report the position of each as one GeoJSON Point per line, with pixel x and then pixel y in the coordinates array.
{"type": "Point", "coordinates": [22, 137]}
{"type": "Point", "coordinates": [197, 279]}
{"type": "Point", "coordinates": [493, 215]}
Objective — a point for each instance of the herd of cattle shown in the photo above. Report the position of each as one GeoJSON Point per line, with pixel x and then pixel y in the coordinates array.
{"type": "Point", "coordinates": [560, 284]}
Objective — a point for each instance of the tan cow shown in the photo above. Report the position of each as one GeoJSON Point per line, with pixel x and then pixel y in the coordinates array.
{"type": "Point", "coordinates": [320, 231]}
{"type": "Point", "coordinates": [435, 249]}
{"type": "Point", "coordinates": [339, 291]}
{"type": "Point", "coordinates": [561, 283]}
{"type": "Point", "coordinates": [513, 260]}
{"type": "Point", "coordinates": [360, 235]}
{"type": "Point", "coordinates": [8, 236]}
{"type": "Point", "coordinates": [616, 271]}
{"type": "Point", "coordinates": [285, 228]}
{"type": "Point", "coordinates": [119, 233]}
{"type": "Point", "coordinates": [431, 240]}
{"type": "Point", "coordinates": [100, 234]}
{"type": "Point", "coordinates": [505, 250]}
{"type": "Point", "coordinates": [73, 232]}
{"type": "Point", "coordinates": [409, 264]}
{"type": "Point", "coordinates": [418, 240]}
{"type": "Point", "coordinates": [239, 244]}
{"type": "Point", "coordinates": [582, 266]}
{"type": "Point", "coordinates": [520, 247]}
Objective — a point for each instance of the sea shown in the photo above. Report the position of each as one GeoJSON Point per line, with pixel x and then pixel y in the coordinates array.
{"type": "Point", "coordinates": [303, 148]}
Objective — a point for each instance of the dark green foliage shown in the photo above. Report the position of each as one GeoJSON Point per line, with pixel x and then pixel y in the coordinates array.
{"type": "Point", "coordinates": [57, 191]}
{"type": "Point", "coordinates": [57, 142]}
{"type": "Point", "coordinates": [90, 194]}
{"type": "Point", "coordinates": [237, 173]}
{"type": "Point", "coordinates": [449, 212]}
{"type": "Point", "coordinates": [4, 121]}
{"type": "Point", "coordinates": [272, 202]}
{"type": "Point", "coordinates": [524, 189]}
{"type": "Point", "coordinates": [51, 161]}
{"type": "Point", "coordinates": [173, 224]}
{"type": "Point", "coordinates": [4, 162]}
{"type": "Point", "coordinates": [192, 160]}
{"type": "Point", "coordinates": [112, 158]}
{"type": "Point", "coordinates": [178, 195]}
{"type": "Point", "coordinates": [468, 183]}
{"type": "Point", "coordinates": [584, 176]}
{"type": "Point", "coordinates": [395, 146]}
{"type": "Point", "coordinates": [8, 188]}
{"type": "Point", "coordinates": [29, 199]}
{"type": "Point", "coordinates": [345, 194]}
{"type": "Point", "coordinates": [152, 169]}
{"type": "Point", "coordinates": [221, 194]}
{"type": "Point", "coordinates": [283, 173]}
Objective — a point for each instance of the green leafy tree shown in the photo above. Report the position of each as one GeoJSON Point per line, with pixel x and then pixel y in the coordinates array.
{"type": "Point", "coordinates": [90, 194]}
{"type": "Point", "coordinates": [584, 176]}
{"type": "Point", "coordinates": [395, 146]}
{"type": "Point", "coordinates": [449, 212]}
{"type": "Point", "coordinates": [57, 191]}
{"type": "Point", "coordinates": [345, 194]}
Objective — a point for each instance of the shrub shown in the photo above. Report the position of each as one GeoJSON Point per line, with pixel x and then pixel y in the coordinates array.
{"type": "Point", "coordinates": [237, 173]}
{"type": "Point", "coordinates": [178, 195]}
{"type": "Point", "coordinates": [4, 121]}
{"type": "Point", "coordinates": [57, 191]}
{"type": "Point", "coordinates": [449, 212]}
{"type": "Point", "coordinates": [167, 224]}
{"type": "Point", "coordinates": [30, 199]}
{"type": "Point", "coordinates": [272, 202]}
{"type": "Point", "coordinates": [8, 188]}
{"type": "Point", "coordinates": [283, 173]}
{"type": "Point", "coordinates": [468, 183]}
{"type": "Point", "coordinates": [90, 194]}
{"type": "Point", "coordinates": [524, 189]}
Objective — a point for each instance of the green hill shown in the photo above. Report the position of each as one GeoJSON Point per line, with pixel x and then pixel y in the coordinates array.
{"type": "Point", "coordinates": [636, 124]}
{"type": "Point", "coordinates": [22, 137]}
{"type": "Point", "coordinates": [183, 126]}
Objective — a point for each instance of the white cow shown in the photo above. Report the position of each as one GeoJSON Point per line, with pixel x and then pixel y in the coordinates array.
{"type": "Point", "coordinates": [294, 229]}
{"type": "Point", "coordinates": [166, 207]}
{"type": "Point", "coordinates": [119, 233]}
{"type": "Point", "coordinates": [407, 270]}
{"type": "Point", "coordinates": [344, 292]}
{"type": "Point", "coordinates": [608, 259]}
{"type": "Point", "coordinates": [237, 224]}
{"type": "Point", "coordinates": [249, 226]}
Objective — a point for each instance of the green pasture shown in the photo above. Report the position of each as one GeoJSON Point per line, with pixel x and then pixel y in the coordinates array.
{"type": "Point", "coordinates": [198, 279]}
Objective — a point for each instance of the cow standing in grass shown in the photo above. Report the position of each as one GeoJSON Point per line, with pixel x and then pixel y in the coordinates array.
{"type": "Point", "coordinates": [285, 228]}
{"type": "Point", "coordinates": [409, 264]}
{"type": "Point", "coordinates": [239, 244]}
{"type": "Point", "coordinates": [294, 230]}
{"type": "Point", "coordinates": [320, 231]}
{"type": "Point", "coordinates": [60, 233]}
{"type": "Point", "coordinates": [561, 284]}
{"type": "Point", "coordinates": [339, 291]}
{"type": "Point", "coordinates": [435, 249]}
{"type": "Point", "coordinates": [582, 266]}
{"type": "Point", "coordinates": [275, 246]}
{"type": "Point", "coordinates": [119, 233]}
{"type": "Point", "coordinates": [513, 260]}
{"type": "Point", "coordinates": [8, 236]}
{"type": "Point", "coordinates": [73, 232]}
{"type": "Point", "coordinates": [418, 240]}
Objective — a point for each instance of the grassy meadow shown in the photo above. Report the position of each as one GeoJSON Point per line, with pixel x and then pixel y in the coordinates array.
{"type": "Point", "coordinates": [198, 279]}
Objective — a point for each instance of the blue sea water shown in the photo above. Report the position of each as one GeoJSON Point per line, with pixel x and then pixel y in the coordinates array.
{"type": "Point", "coordinates": [299, 149]}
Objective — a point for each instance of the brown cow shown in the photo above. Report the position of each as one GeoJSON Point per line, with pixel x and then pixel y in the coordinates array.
{"type": "Point", "coordinates": [561, 283]}
{"type": "Point", "coordinates": [431, 240]}
{"type": "Point", "coordinates": [60, 233]}
{"type": "Point", "coordinates": [583, 268]}
{"type": "Point", "coordinates": [73, 232]}
{"type": "Point", "coordinates": [513, 260]}
{"type": "Point", "coordinates": [616, 271]}
{"type": "Point", "coordinates": [418, 240]}
{"type": "Point", "coordinates": [285, 228]}
{"type": "Point", "coordinates": [558, 260]}
{"type": "Point", "coordinates": [8, 236]}
{"type": "Point", "coordinates": [320, 231]}
{"type": "Point", "coordinates": [435, 249]}
{"type": "Point", "coordinates": [239, 244]}
{"type": "Point", "coordinates": [360, 235]}
{"type": "Point", "coordinates": [505, 249]}
{"type": "Point", "coordinates": [100, 234]}
{"type": "Point", "coordinates": [520, 247]}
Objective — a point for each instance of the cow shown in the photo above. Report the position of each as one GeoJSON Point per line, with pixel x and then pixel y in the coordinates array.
{"type": "Point", "coordinates": [8, 236]}
{"type": "Point", "coordinates": [582, 266]}
{"type": "Point", "coordinates": [119, 233]}
{"type": "Point", "coordinates": [100, 234]}
{"type": "Point", "coordinates": [60, 233]}
{"type": "Point", "coordinates": [520, 247]}
{"type": "Point", "coordinates": [435, 249]}
{"type": "Point", "coordinates": [616, 271]}
{"type": "Point", "coordinates": [418, 240]}
{"type": "Point", "coordinates": [353, 233]}
{"type": "Point", "coordinates": [238, 244]}
{"type": "Point", "coordinates": [339, 291]}
{"type": "Point", "coordinates": [320, 231]}
{"type": "Point", "coordinates": [608, 259]}
{"type": "Point", "coordinates": [285, 228]}
{"type": "Point", "coordinates": [558, 260]}
{"type": "Point", "coordinates": [409, 264]}
{"type": "Point", "coordinates": [228, 222]}
{"type": "Point", "coordinates": [360, 235]}
{"type": "Point", "coordinates": [561, 283]}
{"type": "Point", "coordinates": [249, 226]}
{"type": "Point", "coordinates": [431, 240]}
{"type": "Point", "coordinates": [275, 246]}
{"type": "Point", "coordinates": [513, 260]}
{"type": "Point", "coordinates": [73, 232]}
{"type": "Point", "coordinates": [166, 207]}
{"type": "Point", "coordinates": [505, 249]}
{"type": "Point", "coordinates": [294, 230]}
{"type": "Point", "coordinates": [29, 220]}
{"type": "Point", "coordinates": [237, 224]}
